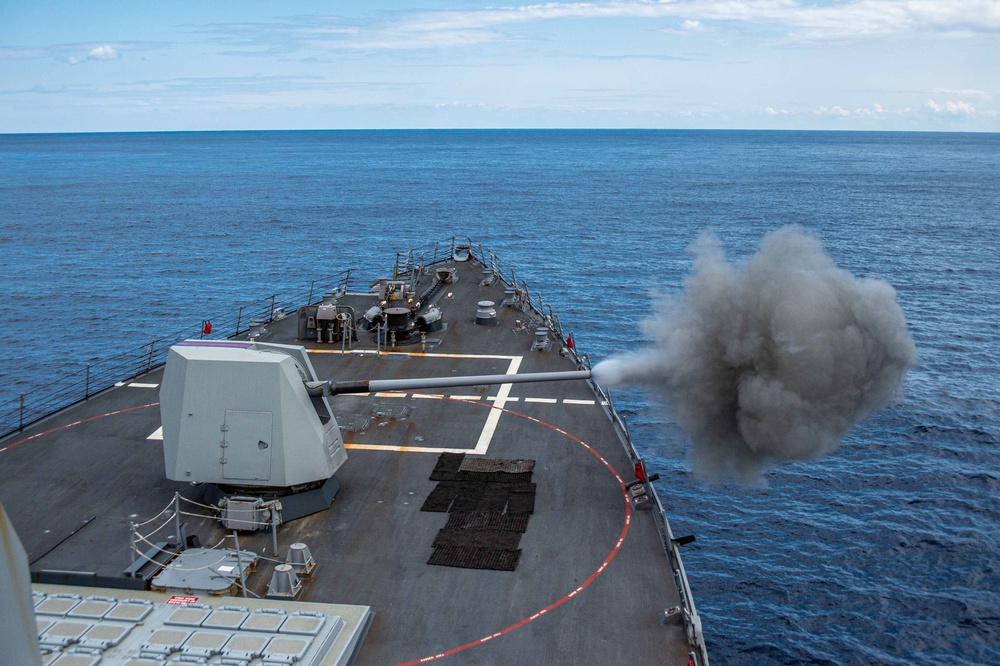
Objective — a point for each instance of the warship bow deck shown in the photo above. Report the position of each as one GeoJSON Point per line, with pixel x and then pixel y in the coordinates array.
{"type": "Point", "coordinates": [594, 575]}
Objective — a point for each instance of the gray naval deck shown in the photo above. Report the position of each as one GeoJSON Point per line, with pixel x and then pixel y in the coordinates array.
{"type": "Point", "coordinates": [592, 581]}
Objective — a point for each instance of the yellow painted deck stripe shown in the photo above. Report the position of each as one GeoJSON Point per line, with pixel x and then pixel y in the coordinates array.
{"type": "Point", "coordinates": [403, 449]}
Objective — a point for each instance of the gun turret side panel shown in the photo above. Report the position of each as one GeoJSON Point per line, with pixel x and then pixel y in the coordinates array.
{"type": "Point", "coordinates": [235, 414]}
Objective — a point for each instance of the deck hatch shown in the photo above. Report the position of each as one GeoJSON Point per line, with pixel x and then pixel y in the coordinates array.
{"type": "Point", "coordinates": [105, 634]}
{"type": "Point", "coordinates": [92, 608]}
{"type": "Point", "coordinates": [57, 604]}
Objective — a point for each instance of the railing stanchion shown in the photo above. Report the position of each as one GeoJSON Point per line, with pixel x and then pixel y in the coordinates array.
{"type": "Point", "coordinates": [131, 527]}
{"type": "Point", "coordinates": [177, 518]}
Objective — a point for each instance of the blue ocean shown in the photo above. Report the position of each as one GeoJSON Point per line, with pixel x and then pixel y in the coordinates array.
{"type": "Point", "coordinates": [886, 552]}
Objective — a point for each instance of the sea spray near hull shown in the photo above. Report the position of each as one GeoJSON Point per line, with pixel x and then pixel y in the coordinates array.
{"type": "Point", "coordinates": [773, 360]}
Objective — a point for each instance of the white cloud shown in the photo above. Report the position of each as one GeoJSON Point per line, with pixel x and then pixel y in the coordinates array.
{"type": "Point", "coordinates": [953, 108]}
{"type": "Point", "coordinates": [874, 112]}
{"type": "Point", "coordinates": [103, 52]}
{"type": "Point", "coordinates": [840, 18]}
{"type": "Point", "coordinates": [798, 19]}
{"type": "Point", "coordinates": [834, 111]}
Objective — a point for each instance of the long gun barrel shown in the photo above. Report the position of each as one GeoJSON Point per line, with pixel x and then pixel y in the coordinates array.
{"type": "Point", "coordinates": [375, 385]}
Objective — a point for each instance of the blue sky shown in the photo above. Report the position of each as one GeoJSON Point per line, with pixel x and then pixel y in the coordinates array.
{"type": "Point", "coordinates": [785, 64]}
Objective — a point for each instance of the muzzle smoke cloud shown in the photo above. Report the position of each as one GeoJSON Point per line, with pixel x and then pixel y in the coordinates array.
{"type": "Point", "coordinates": [774, 360]}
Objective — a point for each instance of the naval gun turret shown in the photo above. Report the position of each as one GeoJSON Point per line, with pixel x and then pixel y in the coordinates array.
{"type": "Point", "coordinates": [236, 416]}
{"type": "Point", "coordinates": [252, 420]}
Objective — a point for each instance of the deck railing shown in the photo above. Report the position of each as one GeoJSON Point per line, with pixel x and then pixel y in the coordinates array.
{"type": "Point", "coordinates": [40, 402]}
{"type": "Point", "coordinates": [74, 386]}
{"type": "Point", "coordinates": [698, 653]}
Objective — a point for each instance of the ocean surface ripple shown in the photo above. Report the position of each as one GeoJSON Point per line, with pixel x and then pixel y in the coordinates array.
{"type": "Point", "coordinates": [886, 552]}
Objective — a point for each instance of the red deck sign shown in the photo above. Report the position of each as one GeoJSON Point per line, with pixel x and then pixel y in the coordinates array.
{"type": "Point", "coordinates": [181, 601]}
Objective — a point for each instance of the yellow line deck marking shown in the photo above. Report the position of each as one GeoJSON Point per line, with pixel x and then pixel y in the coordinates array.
{"type": "Point", "coordinates": [404, 449]}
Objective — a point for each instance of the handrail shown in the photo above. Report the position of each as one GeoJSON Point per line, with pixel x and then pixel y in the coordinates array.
{"type": "Point", "coordinates": [135, 363]}
{"type": "Point", "coordinates": [690, 617]}
{"type": "Point", "coordinates": [68, 388]}
{"type": "Point", "coordinates": [698, 652]}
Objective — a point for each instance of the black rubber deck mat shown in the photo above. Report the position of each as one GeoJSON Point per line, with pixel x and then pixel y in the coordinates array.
{"type": "Point", "coordinates": [472, 538]}
{"type": "Point", "coordinates": [469, 497]}
{"type": "Point", "coordinates": [447, 466]}
{"type": "Point", "coordinates": [521, 503]}
{"type": "Point", "coordinates": [494, 498]}
{"type": "Point", "coordinates": [441, 498]}
{"type": "Point", "coordinates": [474, 557]}
{"type": "Point", "coordinates": [508, 465]}
{"type": "Point", "coordinates": [486, 477]}
{"type": "Point", "coordinates": [485, 521]}
{"type": "Point", "coordinates": [489, 502]}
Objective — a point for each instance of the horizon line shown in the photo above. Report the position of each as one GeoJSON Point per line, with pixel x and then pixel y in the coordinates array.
{"type": "Point", "coordinates": [506, 129]}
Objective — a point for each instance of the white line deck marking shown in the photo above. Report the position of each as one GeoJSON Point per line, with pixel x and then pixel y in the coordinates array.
{"type": "Point", "coordinates": [492, 419]}
{"type": "Point", "coordinates": [441, 396]}
{"type": "Point", "coordinates": [136, 385]}
{"type": "Point", "coordinates": [157, 434]}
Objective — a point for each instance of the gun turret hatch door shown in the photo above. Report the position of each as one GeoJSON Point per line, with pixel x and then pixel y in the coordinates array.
{"type": "Point", "coordinates": [246, 445]}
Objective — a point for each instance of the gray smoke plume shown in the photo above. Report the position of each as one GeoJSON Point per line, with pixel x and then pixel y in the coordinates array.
{"type": "Point", "coordinates": [774, 360]}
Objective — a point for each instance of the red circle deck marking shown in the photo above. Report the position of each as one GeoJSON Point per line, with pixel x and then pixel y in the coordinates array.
{"type": "Point", "coordinates": [516, 625]}
{"type": "Point", "coordinates": [76, 423]}
{"type": "Point", "coordinates": [567, 597]}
